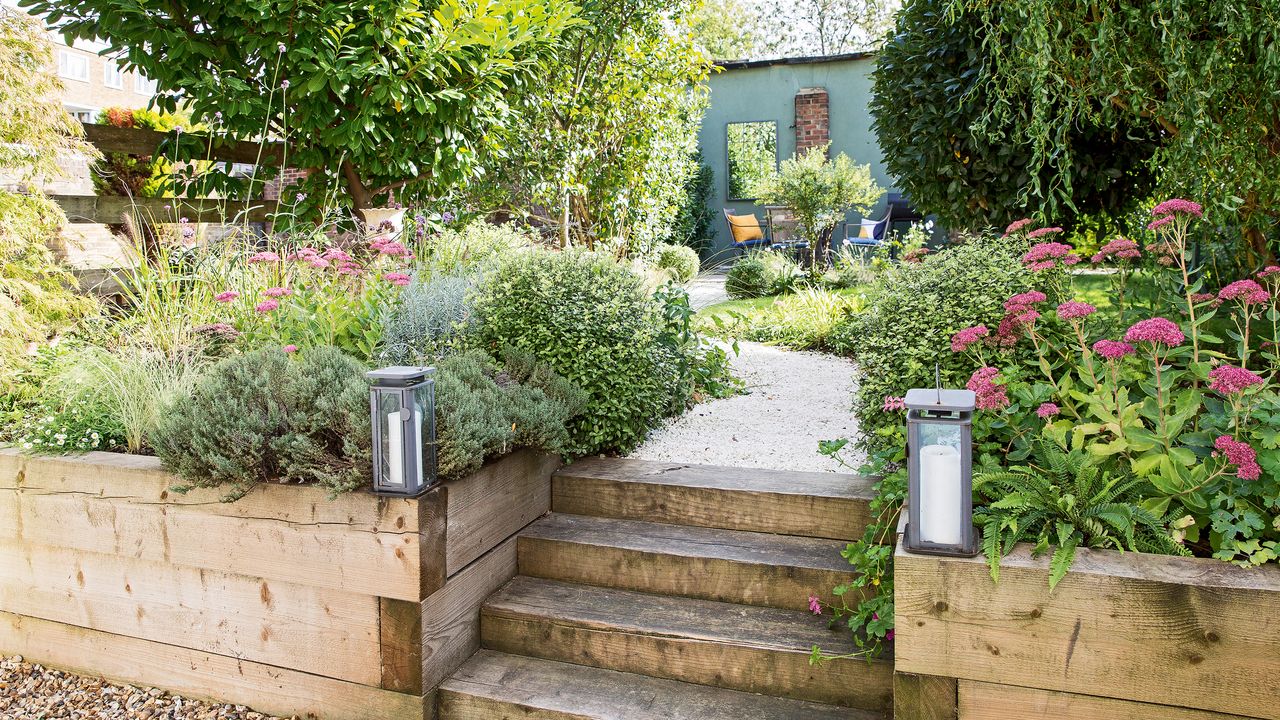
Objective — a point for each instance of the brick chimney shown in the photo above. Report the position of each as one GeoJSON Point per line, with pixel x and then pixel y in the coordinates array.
{"type": "Point", "coordinates": [813, 119]}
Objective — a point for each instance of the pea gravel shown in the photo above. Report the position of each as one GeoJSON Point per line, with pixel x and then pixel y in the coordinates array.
{"type": "Point", "coordinates": [794, 400]}
{"type": "Point", "coordinates": [35, 692]}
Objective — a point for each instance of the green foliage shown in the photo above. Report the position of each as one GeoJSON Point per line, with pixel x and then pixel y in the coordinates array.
{"type": "Point", "coordinates": [138, 175]}
{"type": "Point", "coordinates": [1062, 499]}
{"type": "Point", "coordinates": [267, 416]}
{"type": "Point", "coordinates": [433, 318]}
{"type": "Point", "coordinates": [751, 156]}
{"type": "Point", "coordinates": [393, 96]}
{"type": "Point", "coordinates": [801, 321]}
{"type": "Point", "coordinates": [682, 262]}
{"type": "Point", "coordinates": [588, 318]}
{"type": "Point", "coordinates": [53, 427]}
{"type": "Point", "coordinates": [461, 248]}
{"type": "Point", "coordinates": [973, 148]}
{"type": "Point", "coordinates": [483, 410]}
{"type": "Point", "coordinates": [820, 192]}
{"type": "Point", "coordinates": [605, 135]}
{"type": "Point", "coordinates": [1186, 76]}
{"type": "Point", "coordinates": [760, 273]}
{"type": "Point", "coordinates": [909, 319]}
{"type": "Point", "coordinates": [692, 223]}
{"type": "Point", "coordinates": [34, 127]}
{"type": "Point", "coordinates": [700, 368]}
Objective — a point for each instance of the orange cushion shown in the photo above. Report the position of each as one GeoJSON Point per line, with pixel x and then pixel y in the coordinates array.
{"type": "Point", "coordinates": [745, 228]}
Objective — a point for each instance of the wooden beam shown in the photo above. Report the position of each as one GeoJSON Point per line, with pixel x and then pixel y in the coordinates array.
{"type": "Point", "coordinates": [451, 617]}
{"type": "Point", "coordinates": [400, 633]}
{"type": "Point", "coordinates": [1185, 632]}
{"type": "Point", "coordinates": [140, 141]}
{"type": "Point", "coordinates": [984, 701]}
{"type": "Point", "coordinates": [112, 210]}
{"type": "Point", "coordinates": [924, 697]}
{"type": "Point", "coordinates": [493, 504]}
{"type": "Point", "coordinates": [198, 674]}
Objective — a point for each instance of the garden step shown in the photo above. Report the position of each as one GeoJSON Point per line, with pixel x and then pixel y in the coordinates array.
{"type": "Point", "coordinates": [708, 563]}
{"type": "Point", "coordinates": [495, 686]}
{"type": "Point", "coordinates": [739, 647]}
{"type": "Point", "coordinates": [810, 504]}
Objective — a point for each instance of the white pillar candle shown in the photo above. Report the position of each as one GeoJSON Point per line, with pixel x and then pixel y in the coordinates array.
{"type": "Point", "coordinates": [940, 495]}
{"type": "Point", "coordinates": [395, 449]}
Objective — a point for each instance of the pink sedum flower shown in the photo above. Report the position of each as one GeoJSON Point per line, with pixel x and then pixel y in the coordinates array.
{"type": "Point", "coordinates": [815, 606]}
{"type": "Point", "coordinates": [266, 306]}
{"type": "Point", "coordinates": [1048, 410]}
{"type": "Point", "coordinates": [1157, 331]}
{"type": "Point", "coordinates": [336, 255]}
{"type": "Point", "coordinates": [1113, 349]}
{"type": "Point", "coordinates": [397, 278]}
{"type": "Point", "coordinates": [1072, 310]}
{"type": "Point", "coordinates": [1024, 300]}
{"type": "Point", "coordinates": [1231, 380]}
{"type": "Point", "coordinates": [1240, 454]}
{"type": "Point", "coordinates": [968, 337]}
{"type": "Point", "coordinates": [1047, 255]}
{"type": "Point", "coordinates": [226, 296]}
{"type": "Point", "coordinates": [1268, 271]}
{"type": "Point", "coordinates": [1118, 249]}
{"type": "Point", "coordinates": [1016, 226]}
{"type": "Point", "coordinates": [393, 249]}
{"type": "Point", "coordinates": [990, 396]}
{"type": "Point", "coordinates": [1043, 232]}
{"type": "Point", "coordinates": [1159, 222]}
{"type": "Point", "coordinates": [290, 348]}
{"type": "Point", "coordinates": [263, 257]}
{"type": "Point", "coordinates": [1177, 206]}
{"type": "Point", "coordinates": [1248, 292]}
{"type": "Point", "coordinates": [893, 403]}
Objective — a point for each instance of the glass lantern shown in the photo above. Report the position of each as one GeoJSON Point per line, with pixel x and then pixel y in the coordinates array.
{"type": "Point", "coordinates": [940, 471]}
{"type": "Point", "coordinates": [403, 402]}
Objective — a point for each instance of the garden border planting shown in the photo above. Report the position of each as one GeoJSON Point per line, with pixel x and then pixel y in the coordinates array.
{"type": "Point", "coordinates": [1124, 635]}
{"type": "Point", "coordinates": [286, 601]}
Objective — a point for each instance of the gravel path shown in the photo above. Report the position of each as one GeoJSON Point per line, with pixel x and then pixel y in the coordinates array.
{"type": "Point", "coordinates": [706, 289]}
{"type": "Point", "coordinates": [794, 400]}
{"type": "Point", "coordinates": [34, 692]}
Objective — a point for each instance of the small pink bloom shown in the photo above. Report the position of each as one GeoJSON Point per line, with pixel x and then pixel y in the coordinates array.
{"type": "Point", "coordinates": [1231, 380]}
{"type": "Point", "coordinates": [277, 292]}
{"type": "Point", "coordinates": [318, 263]}
{"type": "Point", "coordinates": [1024, 300]}
{"type": "Point", "coordinates": [1042, 232]}
{"type": "Point", "coordinates": [393, 249]}
{"type": "Point", "coordinates": [1017, 225]}
{"type": "Point", "coordinates": [335, 255]}
{"type": "Point", "coordinates": [1268, 271]}
{"type": "Point", "coordinates": [1240, 454]}
{"type": "Point", "coordinates": [1177, 206]}
{"type": "Point", "coordinates": [1072, 310]}
{"type": "Point", "coordinates": [1042, 265]}
{"type": "Point", "coordinates": [967, 337]}
{"type": "Point", "coordinates": [1047, 410]}
{"type": "Point", "coordinates": [397, 278]}
{"type": "Point", "coordinates": [892, 403]}
{"type": "Point", "coordinates": [1118, 249]}
{"type": "Point", "coordinates": [990, 396]}
{"type": "Point", "coordinates": [815, 606]}
{"type": "Point", "coordinates": [226, 296]}
{"type": "Point", "coordinates": [290, 348]}
{"type": "Point", "coordinates": [1246, 291]}
{"type": "Point", "coordinates": [1202, 298]}
{"type": "Point", "coordinates": [264, 257]}
{"type": "Point", "coordinates": [1157, 331]}
{"type": "Point", "coordinates": [1159, 222]}
{"type": "Point", "coordinates": [1112, 349]}
{"type": "Point", "coordinates": [266, 306]}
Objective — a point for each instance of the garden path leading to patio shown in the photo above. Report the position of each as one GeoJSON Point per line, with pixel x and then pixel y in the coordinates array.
{"type": "Point", "coordinates": [793, 401]}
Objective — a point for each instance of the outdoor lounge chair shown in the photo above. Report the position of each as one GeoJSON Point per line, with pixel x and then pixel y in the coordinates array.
{"type": "Point", "coordinates": [867, 233]}
{"type": "Point", "coordinates": [746, 232]}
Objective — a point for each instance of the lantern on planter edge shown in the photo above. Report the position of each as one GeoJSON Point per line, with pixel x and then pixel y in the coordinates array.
{"type": "Point", "coordinates": [403, 402]}
{"type": "Point", "coordinates": [940, 472]}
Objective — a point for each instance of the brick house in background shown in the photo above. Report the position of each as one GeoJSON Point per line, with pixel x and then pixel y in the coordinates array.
{"type": "Point", "coordinates": [92, 82]}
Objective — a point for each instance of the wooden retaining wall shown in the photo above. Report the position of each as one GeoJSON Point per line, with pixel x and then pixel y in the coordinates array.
{"type": "Point", "coordinates": [284, 601]}
{"type": "Point", "coordinates": [1125, 636]}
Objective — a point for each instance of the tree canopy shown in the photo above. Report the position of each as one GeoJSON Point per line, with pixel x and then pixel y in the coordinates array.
{"type": "Point", "coordinates": [389, 95]}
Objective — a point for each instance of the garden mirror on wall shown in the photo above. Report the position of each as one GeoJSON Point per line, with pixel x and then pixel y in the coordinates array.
{"type": "Point", "coordinates": [753, 156]}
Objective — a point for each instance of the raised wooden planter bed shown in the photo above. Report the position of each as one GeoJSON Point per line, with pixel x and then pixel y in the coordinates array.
{"type": "Point", "coordinates": [285, 601]}
{"type": "Point", "coordinates": [1125, 636]}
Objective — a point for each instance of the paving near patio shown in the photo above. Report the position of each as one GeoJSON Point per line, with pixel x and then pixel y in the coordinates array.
{"type": "Point", "coordinates": [794, 400]}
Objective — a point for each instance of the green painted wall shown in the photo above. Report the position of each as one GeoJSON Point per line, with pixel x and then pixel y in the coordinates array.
{"type": "Point", "coordinates": [768, 93]}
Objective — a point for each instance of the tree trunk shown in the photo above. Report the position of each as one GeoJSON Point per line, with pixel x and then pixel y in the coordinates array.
{"type": "Point", "coordinates": [360, 197]}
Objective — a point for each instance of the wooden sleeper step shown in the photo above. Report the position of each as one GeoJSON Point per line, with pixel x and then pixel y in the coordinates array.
{"type": "Point", "coordinates": [496, 686]}
{"type": "Point", "coordinates": [739, 647]}
{"type": "Point", "coordinates": [708, 563]}
{"type": "Point", "coordinates": [808, 504]}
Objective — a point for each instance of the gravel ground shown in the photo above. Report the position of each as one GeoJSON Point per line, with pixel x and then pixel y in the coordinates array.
{"type": "Point", "coordinates": [706, 289]}
{"type": "Point", "coordinates": [795, 399]}
{"type": "Point", "coordinates": [34, 692]}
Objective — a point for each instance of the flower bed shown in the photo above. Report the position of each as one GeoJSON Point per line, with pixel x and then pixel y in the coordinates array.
{"type": "Point", "coordinates": [286, 601]}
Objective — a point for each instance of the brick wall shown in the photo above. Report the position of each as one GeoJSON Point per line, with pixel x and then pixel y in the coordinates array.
{"type": "Point", "coordinates": [287, 176]}
{"type": "Point", "coordinates": [813, 118]}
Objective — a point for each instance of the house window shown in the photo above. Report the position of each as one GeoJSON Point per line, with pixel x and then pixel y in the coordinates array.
{"type": "Point", "coordinates": [112, 75]}
{"type": "Point", "coordinates": [83, 114]}
{"type": "Point", "coordinates": [752, 156]}
{"type": "Point", "coordinates": [72, 66]}
{"type": "Point", "coordinates": [144, 86]}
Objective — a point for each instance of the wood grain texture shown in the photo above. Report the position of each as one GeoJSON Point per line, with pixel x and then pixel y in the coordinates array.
{"type": "Point", "coordinates": [809, 504]}
{"type": "Point", "coordinates": [268, 621]}
{"type": "Point", "coordinates": [1208, 631]}
{"type": "Point", "coordinates": [141, 141]}
{"type": "Point", "coordinates": [493, 504]}
{"type": "Point", "coordinates": [707, 563]}
{"type": "Point", "coordinates": [495, 686]}
{"type": "Point", "coordinates": [400, 645]}
{"type": "Point", "coordinates": [984, 701]}
{"type": "Point", "coordinates": [451, 616]}
{"type": "Point", "coordinates": [751, 649]}
{"type": "Point", "coordinates": [197, 674]}
{"type": "Point", "coordinates": [924, 697]}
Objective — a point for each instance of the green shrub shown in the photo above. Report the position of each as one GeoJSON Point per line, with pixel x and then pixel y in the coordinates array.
{"type": "Point", "coordinates": [802, 321]}
{"type": "Point", "coordinates": [483, 410]}
{"type": "Point", "coordinates": [463, 247]}
{"type": "Point", "coordinates": [434, 317]}
{"type": "Point", "coordinates": [681, 261]}
{"type": "Point", "coordinates": [761, 273]}
{"type": "Point", "coordinates": [268, 416]}
{"type": "Point", "coordinates": [55, 428]}
{"type": "Point", "coordinates": [907, 325]}
{"type": "Point", "coordinates": [589, 319]}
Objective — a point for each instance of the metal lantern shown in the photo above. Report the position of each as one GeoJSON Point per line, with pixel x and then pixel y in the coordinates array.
{"type": "Point", "coordinates": [940, 467]}
{"type": "Point", "coordinates": [403, 402]}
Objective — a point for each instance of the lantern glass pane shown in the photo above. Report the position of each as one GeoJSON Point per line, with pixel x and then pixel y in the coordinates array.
{"type": "Point", "coordinates": [941, 483]}
{"type": "Point", "coordinates": [391, 438]}
{"type": "Point", "coordinates": [423, 417]}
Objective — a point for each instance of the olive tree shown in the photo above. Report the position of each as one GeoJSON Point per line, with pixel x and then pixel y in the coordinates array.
{"type": "Point", "coordinates": [387, 95]}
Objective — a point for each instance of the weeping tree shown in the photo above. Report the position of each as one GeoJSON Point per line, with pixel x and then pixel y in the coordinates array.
{"type": "Point", "coordinates": [974, 150]}
{"type": "Point", "coordinates": [379, 96]}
